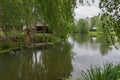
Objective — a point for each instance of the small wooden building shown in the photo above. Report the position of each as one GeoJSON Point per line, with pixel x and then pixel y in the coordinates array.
{"type": "Point", "coordinates": [94, 29]}
{"type": "Point", "coordinates": [40, 28]}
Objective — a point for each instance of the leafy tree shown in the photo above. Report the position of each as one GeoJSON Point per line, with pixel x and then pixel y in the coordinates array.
{"type": "Point", "coordinates": [111, 18]}
{"type": "Point", "coordinates": [96, 22]}
{"type": "Point", "coordinates": [82, 26]}
{"type": "Point", "coordinates": [58, 14]}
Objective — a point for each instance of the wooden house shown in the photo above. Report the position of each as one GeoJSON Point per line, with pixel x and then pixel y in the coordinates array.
{"type": "Point", "coordinates": [39, 28]}
{"type": "Point", "coordinates": [94, 29]}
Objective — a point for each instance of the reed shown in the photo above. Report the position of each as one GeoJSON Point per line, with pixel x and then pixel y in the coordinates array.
{"type": "Point", "coordinates": [107, 72]}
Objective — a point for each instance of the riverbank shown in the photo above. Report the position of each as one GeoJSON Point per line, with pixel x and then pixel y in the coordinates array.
{"type": "Point", "coordinates": [37, 40]}
{"type": "Point", "coordinates": [32, 45]}
{"type": "Point", "coordinates": [7, 46]}
{"type": "Point", "coordinates": [20, 43]}
{"type": "Point", "coordinates": [10, 49]}
{"type": "Point", "coordinates": [95, 33]}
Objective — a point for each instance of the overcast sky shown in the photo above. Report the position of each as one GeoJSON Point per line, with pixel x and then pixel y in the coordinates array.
{"type": "Point", "coordinates": [87, 10]}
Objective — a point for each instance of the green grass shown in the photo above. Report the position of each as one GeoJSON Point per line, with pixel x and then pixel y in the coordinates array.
{"type": "Point", "coordinates": [9, 46]}
{"type": "Point", "coordinates": [47, 38]}
{"type": "Point", "coordinates": [108, 72]}
{"type": "Point", "coordinates": [38, 37]}
{"type": "Point", "coordinates": [5, 50]}
{"type": "Point", "coordinates": [95, 33]}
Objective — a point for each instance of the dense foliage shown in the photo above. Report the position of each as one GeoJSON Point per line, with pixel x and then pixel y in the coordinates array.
{"type": "Point", "coordinates": [82, 26]}
{"type": "Point", "coordinates": [111, 18]}
{"type": "Point", "coordinates": [58, 14]}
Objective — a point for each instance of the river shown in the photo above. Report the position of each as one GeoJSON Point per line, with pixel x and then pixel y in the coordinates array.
{"type": "Point", "coordinates": [61, 60]}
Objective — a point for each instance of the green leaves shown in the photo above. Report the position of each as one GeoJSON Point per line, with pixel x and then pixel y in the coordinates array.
{"type": "Point", "coordinates": [58, 14]}
{"type": "Point", "coordinates": [111, 17]}
{"type": "Point", "coordinates": [82, 26]}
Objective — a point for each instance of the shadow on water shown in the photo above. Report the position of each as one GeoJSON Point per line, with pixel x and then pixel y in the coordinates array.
{"type": "Point", "coordinates": [52, 62]}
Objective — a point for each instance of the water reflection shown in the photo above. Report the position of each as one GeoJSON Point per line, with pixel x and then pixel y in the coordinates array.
{"type": "Point", "coordinates": [104, 45]}
{"type": "Point", "coordinates": [91, 50]}
{"type": "Point", "coordinates": [10, 66]}
{"type": "Point", "coordinates": [50, 62]}
{"type": "Point", "coordinates": [61, 60]}
{"type": "Point", "coordinates": [93, 42]}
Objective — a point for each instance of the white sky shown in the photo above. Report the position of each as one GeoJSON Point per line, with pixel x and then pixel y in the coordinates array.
{"type": "Point", "coordinates": [87, 10]}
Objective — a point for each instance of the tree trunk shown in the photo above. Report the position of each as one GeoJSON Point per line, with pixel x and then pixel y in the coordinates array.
{"type": "Point", "coordinates": [27, 36]}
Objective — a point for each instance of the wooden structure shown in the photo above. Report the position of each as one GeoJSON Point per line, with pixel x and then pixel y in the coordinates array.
{"type": "Point", "coordinates": [40, 28]}
{"type": "Point", "coordinates": [94, 29]}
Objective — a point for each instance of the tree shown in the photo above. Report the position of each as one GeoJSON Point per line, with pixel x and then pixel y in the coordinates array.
{"type": "Point", "coordinates": [82, 26]}
{"type": "Point", "coordinates": [111, 18]}
{"type": "Point", "coordinates": [58, 14]}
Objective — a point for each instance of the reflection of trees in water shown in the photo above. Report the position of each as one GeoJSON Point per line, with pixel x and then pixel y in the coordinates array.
{"type": "Point", "coordinates": [85, 41]}
{"type": "Point", "coordinates": [58, 60]}
{"type": "Point", "coordinates": [44, 64]}
{"type": "Point", "coordinates": [104, 45]}
{"type": "Point", "coordinates": [81, 39]}
{"type": "Point", "coordinates": [28, 71]}
{"type": "Point", "coordinates": [92, 43]}
{"type": "Point", "coordinates": [55, 62]}
{"type": "Point", "coordinates": [10, 66]}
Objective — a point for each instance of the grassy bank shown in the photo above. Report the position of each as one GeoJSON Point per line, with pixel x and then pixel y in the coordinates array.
{"type": "Point", "coordinates": [36, 40]}
{"type": "Point", "coordinates": [95, 33]}
{"type": "Point", "coordinates": [50, 38]}
{"type": "Point", "coordinates": [9, 46]}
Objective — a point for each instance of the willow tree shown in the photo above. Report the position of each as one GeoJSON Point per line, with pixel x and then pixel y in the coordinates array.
{"type": "Point", "coordinates": [10, 14]}
{"type": "Point", "coordinates": [58, 14]}
{"type": "Point", "coordinates": [111, 18]}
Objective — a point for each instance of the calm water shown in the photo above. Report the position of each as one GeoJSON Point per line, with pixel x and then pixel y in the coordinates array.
{"type": "Point", "coordinates": [64, 59]}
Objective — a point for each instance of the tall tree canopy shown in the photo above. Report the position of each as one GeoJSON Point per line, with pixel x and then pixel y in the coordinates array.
{"type": "Point", "coordinates": [111, 18]}
{"type": "Point", "coordinates": [58, 14]}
